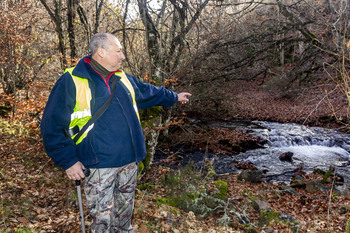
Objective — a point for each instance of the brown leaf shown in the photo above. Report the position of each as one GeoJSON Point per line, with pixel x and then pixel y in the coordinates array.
{"type": "Point", "coordinates": [23, 220]}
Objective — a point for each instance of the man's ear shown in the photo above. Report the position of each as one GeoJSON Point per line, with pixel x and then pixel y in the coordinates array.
{"type": "Point", "coordinates": [101, 52]}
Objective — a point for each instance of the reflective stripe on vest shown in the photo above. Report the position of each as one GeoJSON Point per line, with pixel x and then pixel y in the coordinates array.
{"type": "Point", "coordinates": [131, 90]}
{"type": "Point", "coordinates": [82, 110]}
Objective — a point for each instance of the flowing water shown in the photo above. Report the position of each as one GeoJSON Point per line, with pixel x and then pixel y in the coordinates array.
{"type": "Point", "coordinates": [312, 148]}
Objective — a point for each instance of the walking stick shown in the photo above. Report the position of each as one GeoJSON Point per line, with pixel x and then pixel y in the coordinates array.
{"type": "Point", "coordinates": [77, 183]}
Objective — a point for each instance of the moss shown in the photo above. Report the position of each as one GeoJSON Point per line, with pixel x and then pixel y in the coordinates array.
{"type": "Point", "coordinates": [146, 186]}
{"type": "Point", "coordinates": [141, 168]}
{"type": "Point", "coordinates": [149, 116]}
{"type": "Point", "coordinates": [347, 229]}
{"type": "Point", "coordinates": [335, 196]}
{"type": "Point", "coordinates": [326, 176]}
{"type": "Point", "coordinates": [147, 161]}
{"type": "Point", "coordinates": [173, 211]}
{"type": "Point", "coordinates": [4, 110]}
{"type": "Point", "coordinates": [244, 192]}
{"type": "Point", "coordinates": [295, 229]}
{"type": "Point", "coordinates": [24, 230]}
{"type": "Point", "coordinates": [250, 229]}
{"type": "Point", "coordinates": [186, 189]}
{"type": "Point", "coordinates": [192, 195]}
{"type": "Point", "coordinates": [171, 180]}
{"type": "Point", "coordinates": [266, 216]}
{"type": "Point", "coordinates": [167, 201]}
{"type": "Point", "coordinates": [319, 171]}
{"type": "Point", "coordinates": [209, 170]}
{"type": "Point", "coordinates": [222, 187]}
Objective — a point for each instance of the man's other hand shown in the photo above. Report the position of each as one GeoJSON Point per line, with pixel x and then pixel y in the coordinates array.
{"type": "Point", "coordinates": [183, 97]}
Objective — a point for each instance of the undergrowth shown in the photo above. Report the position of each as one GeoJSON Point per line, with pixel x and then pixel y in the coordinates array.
{"type": "Point", "coordinates": [191, 190]}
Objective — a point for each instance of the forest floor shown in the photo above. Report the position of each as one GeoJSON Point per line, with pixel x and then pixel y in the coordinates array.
{"type": "Point", "coordinates": [37, 197]}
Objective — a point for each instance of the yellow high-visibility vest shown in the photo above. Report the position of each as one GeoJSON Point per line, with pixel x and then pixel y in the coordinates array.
{"type": "Point", "coordinates": [82, 110]}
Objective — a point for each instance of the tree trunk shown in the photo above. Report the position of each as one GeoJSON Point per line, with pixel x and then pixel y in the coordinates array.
{"type": "Point", "coordinates": [71, 35]}
{"type": "Point", "coordinates": [84, 21]}
{"type": "Point", "coordinates": [98, 13]}
{"type": "Point", "coordinates": [56, 17]}
{"type": "Point", "coordinates": [158, 67]}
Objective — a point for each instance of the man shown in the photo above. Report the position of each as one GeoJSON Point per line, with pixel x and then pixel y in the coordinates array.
{"type": "Point", "coordinates": [114, 144]}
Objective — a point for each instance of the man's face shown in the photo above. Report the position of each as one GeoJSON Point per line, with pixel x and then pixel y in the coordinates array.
{"type": "Point", "coordinates": [114, 57]}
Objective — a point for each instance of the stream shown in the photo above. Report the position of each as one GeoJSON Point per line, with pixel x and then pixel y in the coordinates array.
{"type": "Point", "coordinates": [312, 148]}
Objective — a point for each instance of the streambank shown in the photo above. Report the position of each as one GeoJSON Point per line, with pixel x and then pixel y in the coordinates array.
{"type": "Point", "coordinates": [310, 148]}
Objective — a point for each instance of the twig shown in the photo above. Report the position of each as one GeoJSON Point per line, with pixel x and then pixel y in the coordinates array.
{"type": "Point", "coordinates": [329, 199]}
{"type": "Point", "coordinates": [42, 167]}
{"type": "Point", "coordinates": [3, 211]}
{"type": "Point", "coordinates": [205, 157]}
{"type": "Point", "coordinates": [318, 104]}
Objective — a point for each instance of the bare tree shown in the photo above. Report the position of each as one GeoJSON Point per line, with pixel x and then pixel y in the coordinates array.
{"type": "Point", "coordinates": [166, 36]}
{"type": "Point", "coordinates": [302, 31]}
{"type": "Point", "coordinates": [16, 38]}
{"type": "Point", "coordinates": [283, 45]}
{"type": "Point", "coordinates": [55, 13]}
{"type": "Point", "coordinates": [71, 32]}
{"type": "Point", "coordinates": [63, 18]}
{"type": "Point", "coordinates": [20, 60]}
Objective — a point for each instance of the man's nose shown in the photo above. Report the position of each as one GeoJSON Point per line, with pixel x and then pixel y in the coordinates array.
{"type": "Point", "coordinates": [122, 56]}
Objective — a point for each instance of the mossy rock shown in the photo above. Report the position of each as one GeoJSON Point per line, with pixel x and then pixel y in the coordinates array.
{"type": "Point", "coordinates": [267, 216]}
{"type": "Point", "coordinates": [222, 187]}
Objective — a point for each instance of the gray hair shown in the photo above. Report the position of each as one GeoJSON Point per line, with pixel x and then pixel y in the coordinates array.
{"type": "Point", "coordinates": [99, 40]}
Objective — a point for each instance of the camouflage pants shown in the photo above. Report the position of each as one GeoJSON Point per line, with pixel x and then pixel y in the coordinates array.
{"type": "Point", "coordinates": [110, 194]}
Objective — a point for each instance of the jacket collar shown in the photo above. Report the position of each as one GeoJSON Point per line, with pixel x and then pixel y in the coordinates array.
{"type": "Point", "coordinates": [84, 69]}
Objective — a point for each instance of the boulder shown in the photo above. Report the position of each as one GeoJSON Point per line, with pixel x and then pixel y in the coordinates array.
{"type": "Point", "coordinates": [343, 189]}
{"type": "Point", "coordinates": [253, 176]}
{"type": "Point", "coordinates": [297, 182]}
{"type": "Point", "coordinates": [267, 216]}
{"type": "Point", "coordinates": [260, 205]}
{"type": "Point", "coordinates": [314, 186]}
{"type": "Point", "coordinates": [289, 190]}
{"type": "Point", "coordinates": [287, 156]}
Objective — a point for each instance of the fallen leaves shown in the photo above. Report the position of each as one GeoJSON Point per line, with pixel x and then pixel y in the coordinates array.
{"type": "Point", "coordinates": [35, 193]}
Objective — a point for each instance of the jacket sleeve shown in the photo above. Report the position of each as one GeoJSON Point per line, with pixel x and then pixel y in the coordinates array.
{"type": "Point", "coordinates": [56, 118]}
{"type": "Point", "coordinates": [148, 95]}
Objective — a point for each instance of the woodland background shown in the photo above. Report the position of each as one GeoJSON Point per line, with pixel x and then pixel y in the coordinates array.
{"type": "Point", "coordinates": [275, 60]}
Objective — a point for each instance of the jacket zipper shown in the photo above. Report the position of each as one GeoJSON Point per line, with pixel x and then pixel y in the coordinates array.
{"type": "Point", "coordinates": [132, 139]}
{"type": "Point", "coordinates": [104, 80]}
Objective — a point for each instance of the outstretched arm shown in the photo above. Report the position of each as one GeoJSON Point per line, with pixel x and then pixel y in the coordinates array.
{"type": "Point", "coordinates": [183, 97]}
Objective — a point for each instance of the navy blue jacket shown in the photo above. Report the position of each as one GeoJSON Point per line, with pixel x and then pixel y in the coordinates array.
{"type": "Point", "coordinates": [116, 138]}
